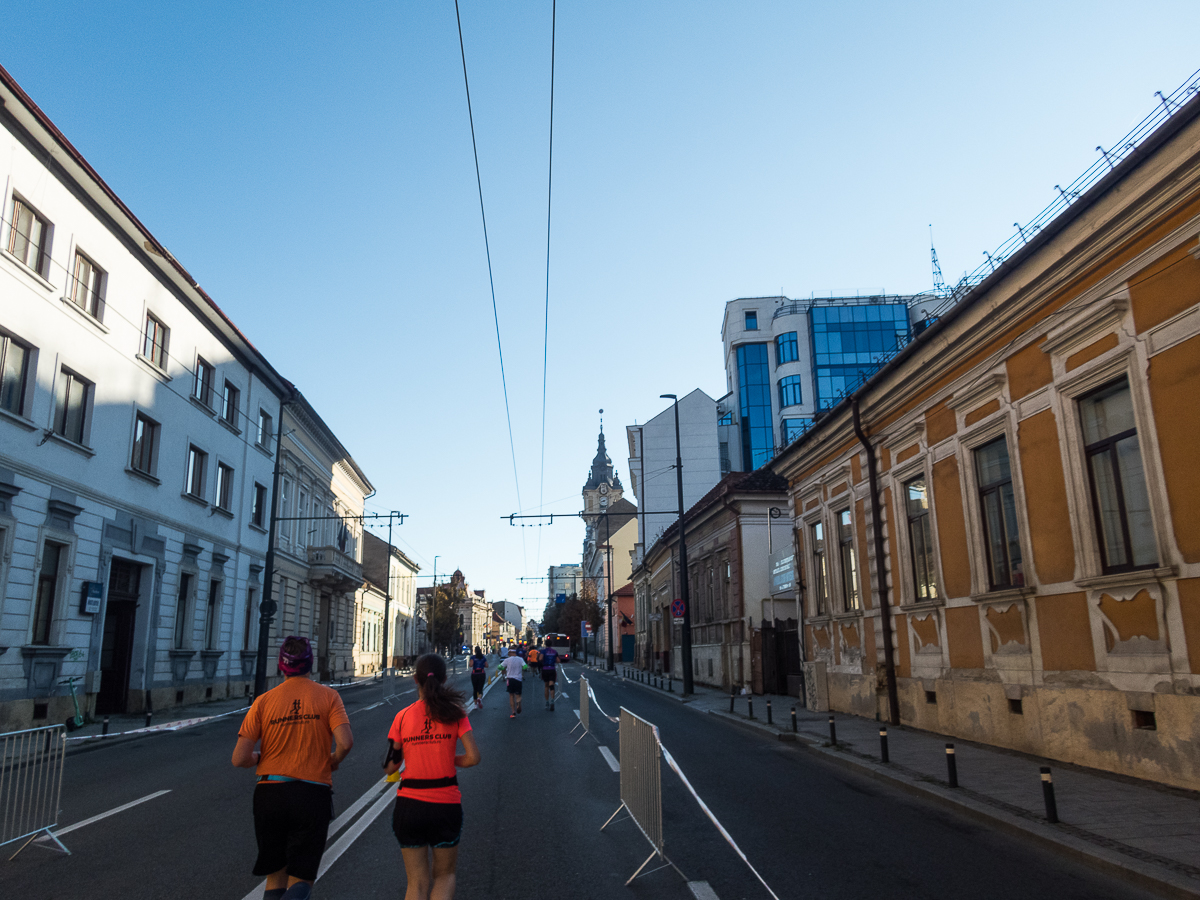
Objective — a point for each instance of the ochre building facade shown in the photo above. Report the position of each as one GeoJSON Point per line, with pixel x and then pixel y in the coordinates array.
{"type": "Point", "coordinates": [1034, 529]}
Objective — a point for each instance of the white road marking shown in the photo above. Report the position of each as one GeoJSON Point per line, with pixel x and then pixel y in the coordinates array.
{"type": "Point", "coordinates": [702, 890]}
{"type": "Point", "coordinates": [610, 759]}
{"type": "Point", "coordinates": [368, 708]}
{"type": "Point", "coordinates": [353, 809]}
{"type": "Point", "coordinates": [104, 815]}
{"type": "Point", "coordinates": [344, 842]}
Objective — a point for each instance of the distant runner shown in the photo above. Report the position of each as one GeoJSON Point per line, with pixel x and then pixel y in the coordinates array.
{"type": "Point", "coordinates": [511, 668]}
{"type": "Point", "coordinates": [550, 673]}
{"type": "Point", "coordinates": [478, 676]}
{"type": "Point", "coordinates": [533, 658]}
{"type": "Point", "coordinates": [296, 723]}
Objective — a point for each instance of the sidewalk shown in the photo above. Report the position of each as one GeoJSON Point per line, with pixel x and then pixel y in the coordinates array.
{"type": "Point", "coordinates": [1136, 830]}
{"type": "Point", "coordinates": [129, 726]}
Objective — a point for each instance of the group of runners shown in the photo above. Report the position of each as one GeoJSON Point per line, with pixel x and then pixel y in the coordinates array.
{"type": "Point", "coordinates": [297, 734]}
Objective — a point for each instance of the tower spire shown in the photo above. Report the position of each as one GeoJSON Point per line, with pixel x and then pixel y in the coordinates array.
{"type": "Point", "coordinates": [939, 283]}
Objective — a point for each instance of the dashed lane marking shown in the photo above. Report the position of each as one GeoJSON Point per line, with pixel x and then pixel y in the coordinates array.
{"type": "Point", "coordinates": [702, 890]}
{"type": "Point", "coordinates": [105, 815]}
{"type": "Point", "coordinates": [610, 759]}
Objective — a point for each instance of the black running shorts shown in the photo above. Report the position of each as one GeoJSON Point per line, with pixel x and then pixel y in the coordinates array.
{"type": "Point", "coordinates": [514, 685]}
{"type": "Point", "coordinates": [549, 676]}
{"type": "Point", "coordinates": [420, 824]}
{"type": "Point", "coordinates": [291, 822]}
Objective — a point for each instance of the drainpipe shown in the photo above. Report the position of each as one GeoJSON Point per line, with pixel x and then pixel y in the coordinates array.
{"type": "Point", "coordinates": [889, 661]}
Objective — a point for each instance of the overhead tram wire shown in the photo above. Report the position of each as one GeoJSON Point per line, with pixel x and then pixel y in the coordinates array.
{"type": "Point", "coordinates": [546, 328]}
{"type": "Point", "coordinates": [487, 249]}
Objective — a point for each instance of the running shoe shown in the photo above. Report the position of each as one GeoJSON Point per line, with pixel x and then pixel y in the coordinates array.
{"type": "Point", "coordinates": [512, 715]}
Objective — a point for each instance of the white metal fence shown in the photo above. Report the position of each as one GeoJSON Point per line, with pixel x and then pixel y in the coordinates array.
{"type": "Point", "coordinates": [584, 707]}
{"type": "Point", "coordinates": [641, 785]}
{"type": "Point", "coordinates": [31, 770]}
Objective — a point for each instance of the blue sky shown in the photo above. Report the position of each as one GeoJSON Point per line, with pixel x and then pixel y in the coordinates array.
{"type": "Point", "coordinates": [310, 164]}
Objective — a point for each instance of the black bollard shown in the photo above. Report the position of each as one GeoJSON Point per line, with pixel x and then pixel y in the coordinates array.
{"type": "Point", "coordinates": [149, 716]}
{"type": "Point", "coordinates": [883, 748]}
{"type": "Point", "coordinates": [670, 684]}
{"type": "Point", "coordinates": [793, 720]}
{"type": "Point", "coordinates": [105, 730]}
{"type": "Point", "coordinates": [1048, 796]}
{"type": "Point", "coordinates": [750, 705]}
{"type": "Point", "coordinates": [732, 697]}
{"type": "Point", "coordinates": [769, 721]}
{"type": "Point", "coordinates": [951, 767]}
{"type": "Point", "coordinates": [832, 731]}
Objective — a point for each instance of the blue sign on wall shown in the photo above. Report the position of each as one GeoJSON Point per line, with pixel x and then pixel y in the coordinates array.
{"type": "Point", "coordinates": [560, 598]}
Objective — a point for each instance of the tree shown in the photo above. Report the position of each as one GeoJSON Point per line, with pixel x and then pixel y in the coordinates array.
{"type": "Point", "coordinates": [568, 616]}
{"type": "Point", "coordinates": [444, 618]}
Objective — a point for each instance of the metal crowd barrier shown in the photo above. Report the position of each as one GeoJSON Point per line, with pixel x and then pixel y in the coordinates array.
{"type": "Point", "coordinates": [641, 785]}
{"type": "Point", "coordinates": [584, 708]}
{"type": "Point", "coordinates": [391, 683]}
{"type": "Point", "coordinates": [31, 771]}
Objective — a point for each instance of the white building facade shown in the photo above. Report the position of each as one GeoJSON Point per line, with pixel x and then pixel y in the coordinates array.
{"type": "Point", "coordinates": [652, 464]}
{"type": "Point", "coordinates": [135, 452]}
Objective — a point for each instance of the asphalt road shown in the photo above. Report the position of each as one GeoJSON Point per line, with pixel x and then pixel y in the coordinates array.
{"type": "Point", "coordinates": [533, 810]}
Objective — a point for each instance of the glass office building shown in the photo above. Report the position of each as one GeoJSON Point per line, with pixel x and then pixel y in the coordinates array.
{"type": "Point", "coordinates": [850, 343]}
{"type": "Point", "coordinates": [754, 402]}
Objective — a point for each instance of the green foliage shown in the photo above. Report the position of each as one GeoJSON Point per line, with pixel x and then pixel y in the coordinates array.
{"type": "Point", "coordinates": [564, 618]}
{"type": "Point", "coordinates": [445, 615]}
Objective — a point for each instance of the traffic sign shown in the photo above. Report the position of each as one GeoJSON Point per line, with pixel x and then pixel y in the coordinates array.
{"type": "Point", "coordinates": [560, 598]}
{"type": "Point", "coordinates": [677, 610]}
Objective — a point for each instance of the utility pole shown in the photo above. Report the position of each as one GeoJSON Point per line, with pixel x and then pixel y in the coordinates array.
{"type": "Point", "coordinates": [268, 606]}
{"type": "Point", "coordinates": [684, 594]}
{"type": "Point", "coordinates": [387, 596]}
{"type": "Point", "coordinates": [429, 611]}
{"type": "Point", "coordinates": [608, 583]}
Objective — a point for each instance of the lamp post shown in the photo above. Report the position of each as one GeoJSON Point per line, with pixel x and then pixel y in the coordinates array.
{"type": "Point", "coordinates": [432, 606]}
{"type": "Point", "coordinates": [387, 596]}
{"type": "Point", "coordinates": [684, 594]}
{"type": "Point", "coordinates": [268, 606]}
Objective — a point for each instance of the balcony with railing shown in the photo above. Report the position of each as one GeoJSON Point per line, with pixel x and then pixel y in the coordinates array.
{"type": "Point", "coordinates": [332, 570]}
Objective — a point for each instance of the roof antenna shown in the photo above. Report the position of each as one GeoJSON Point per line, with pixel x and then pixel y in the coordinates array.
{"type": "Point", "coordinates": [939, 283]}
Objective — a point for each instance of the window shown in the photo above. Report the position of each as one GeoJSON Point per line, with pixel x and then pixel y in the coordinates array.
{"type": "Point", "coordinates": [751, 320]}
{"type": "Point", "coordinates": [265, 427]}
{"type": "Point", "coordinates": [212, 624]}
{"type": "Point", "coordinates": [786, 350]}
{"type": "Point", "coordinates": [285, 507]}
{"type": "Point", "coordinates": [53, 560]}
{"type": "Point", "coordinates": [920, 539]}
{"type": "Point", "coordinates": [14, 374]}
{"type": "Point", "coordinates": [820, 576]}
{"type": "Point", "coordinates": [258, 513]}
{"type": "Point", "coordinates": [28, 239]}
{"type": "Point", "coordinates": [203, 388]}
{"type": "Point", "coordinates": [70, 405]}
{"type": "Point", "coordinates": [224, 487]}
{"type": "Point", "coordinates": [1120, 501]}
{"type": "Point", "coordinates": [145, 444]}
{"type": "Point", "coordinates": [850, 598]}
{"type": "Point", "coordinates": [89, 279]}
{"type": "Point", "coordinates": [154, 347]}
{"type": "Point", "coordinates": [754, 398]}
{"type": "Point", "coordinates": [790, 429]}
{"type": "Point", "coordinates": [196, 464]}
{"type": "Point", "coordinates": [229, 404]}
{"type": "Point", "coordinates": [999, 511]}
{"type": "Point", "coordinates": [789, 391]}
{"type": "Point", "coordinates": [181, 609]}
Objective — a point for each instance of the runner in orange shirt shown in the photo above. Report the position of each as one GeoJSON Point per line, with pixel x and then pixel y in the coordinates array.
{"type": "Point", "coordinates": [428, 816]}
{"type": "Point", "coordinates": [296, 723]}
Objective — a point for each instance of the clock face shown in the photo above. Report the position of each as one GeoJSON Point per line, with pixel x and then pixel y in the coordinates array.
{"type": "Point", "coordinates": [604, 501]}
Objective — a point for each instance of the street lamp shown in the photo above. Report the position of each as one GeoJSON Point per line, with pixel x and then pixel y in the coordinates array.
{"type": "Point", "coordinates": [429, 612]}
{"type": "Point", "coordinates": [683, 571]}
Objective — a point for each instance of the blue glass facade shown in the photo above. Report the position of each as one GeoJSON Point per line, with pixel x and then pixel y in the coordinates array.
{"type": "Point", "coordinates": [850, 343]}
{"type": "Point", "coordinates": [790, 429]}
{"type": "Point", "coordinates": [754, 400]}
